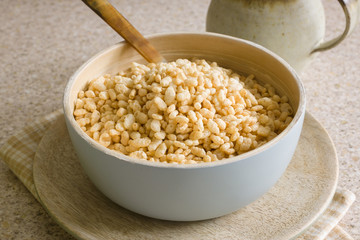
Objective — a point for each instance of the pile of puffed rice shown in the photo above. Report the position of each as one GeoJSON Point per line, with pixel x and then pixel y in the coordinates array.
{"type": "Point", "coordinates": [181, 112]}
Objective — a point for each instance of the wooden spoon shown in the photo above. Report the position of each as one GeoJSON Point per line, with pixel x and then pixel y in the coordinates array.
{"type": "Point", "coordinates": [122, 26]}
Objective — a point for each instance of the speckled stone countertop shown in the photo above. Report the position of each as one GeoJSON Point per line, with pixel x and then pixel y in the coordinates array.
{"type": "Point", "coordinates": [43, 42]}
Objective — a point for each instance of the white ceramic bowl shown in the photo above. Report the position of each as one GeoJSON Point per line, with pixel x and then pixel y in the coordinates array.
{"type": "Point", "coordinates": [197, 191]}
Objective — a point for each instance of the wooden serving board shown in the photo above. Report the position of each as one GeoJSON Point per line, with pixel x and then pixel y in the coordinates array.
{"type": "Point", "coordinates": [297, 199]}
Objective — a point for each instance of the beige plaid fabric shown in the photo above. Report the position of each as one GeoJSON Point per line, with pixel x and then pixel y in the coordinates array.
{"type": "Point", "coordinates": [19, 151]}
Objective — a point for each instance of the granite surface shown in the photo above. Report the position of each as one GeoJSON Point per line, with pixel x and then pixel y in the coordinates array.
{"type": "Point", "coordinates": [43, 42]}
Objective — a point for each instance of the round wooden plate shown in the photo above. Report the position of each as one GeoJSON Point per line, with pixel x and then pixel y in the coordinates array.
{"type": "Point", "coordinates": [297, 199]}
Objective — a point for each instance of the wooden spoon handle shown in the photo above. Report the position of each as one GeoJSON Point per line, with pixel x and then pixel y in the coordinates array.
{"type": "Point", "coordinates": [122, 26]}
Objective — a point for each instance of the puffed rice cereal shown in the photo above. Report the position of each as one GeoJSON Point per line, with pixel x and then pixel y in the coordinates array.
{"type": "Point", "coordinates": [181, 112]}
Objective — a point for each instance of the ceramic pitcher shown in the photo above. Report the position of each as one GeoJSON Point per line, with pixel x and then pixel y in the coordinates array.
{"type": "Point", "coordinates": [294, 29]}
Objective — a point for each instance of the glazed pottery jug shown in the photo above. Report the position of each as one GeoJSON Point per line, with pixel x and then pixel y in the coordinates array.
{"type": "Point", "coordinates": [294, 29]}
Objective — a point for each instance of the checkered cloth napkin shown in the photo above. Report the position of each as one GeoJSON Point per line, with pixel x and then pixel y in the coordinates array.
{"type": "Point", "coordinates": [19, 151]}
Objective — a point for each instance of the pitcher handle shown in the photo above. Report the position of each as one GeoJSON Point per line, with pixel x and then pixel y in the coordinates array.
{"type": "Point", "coordinates": [351, 11]}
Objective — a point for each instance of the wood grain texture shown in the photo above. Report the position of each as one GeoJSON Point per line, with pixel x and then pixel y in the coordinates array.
{"type": "Point", "coordinates": [298, 198]}
{"type": "Point", "coordinates": [122, 26]}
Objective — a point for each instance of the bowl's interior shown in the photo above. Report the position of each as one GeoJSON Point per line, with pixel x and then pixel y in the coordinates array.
{"type": "Point", "coordinates": [238, 55]}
